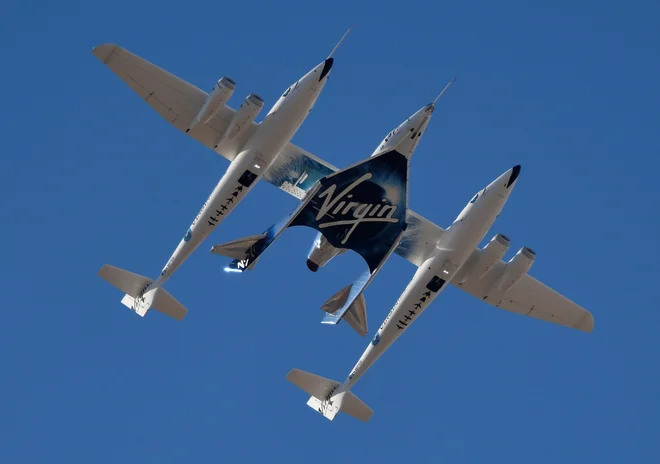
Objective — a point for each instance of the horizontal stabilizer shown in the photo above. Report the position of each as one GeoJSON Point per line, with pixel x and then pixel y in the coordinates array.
{"type": "Point", "coordinates": [237, 249]}
{"type": "Point", "coordinates": [133, 285]}
{"type": "Point", "coordinates": [355, 407]}
{"type": "Point", "coordinates": [312, 384]}
{"type": "Point", "coordinates": [327, 397]}
{"type": "Point", "coordinates": [128, 282]}
{"type": "Point", "coordinates": [167, 304]}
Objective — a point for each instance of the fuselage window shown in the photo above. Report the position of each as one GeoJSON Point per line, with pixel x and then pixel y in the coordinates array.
{"type": "Point", "coordinates": [475, 198]}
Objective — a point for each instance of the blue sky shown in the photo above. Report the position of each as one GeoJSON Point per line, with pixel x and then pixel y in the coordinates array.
{"type": "Point", "coordinates": [92, 175]}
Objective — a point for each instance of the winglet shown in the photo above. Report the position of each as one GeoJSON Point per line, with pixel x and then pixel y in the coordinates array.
{"type": "Point", "coordinates": [453, 79]}
{"type": "Point", "coordinates": [339, 43]}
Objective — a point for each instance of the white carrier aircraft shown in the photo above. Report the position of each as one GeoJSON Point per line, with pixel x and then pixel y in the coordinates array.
{"type": "Point", "coordinates": [255, 151]}
{"type": "Point", "coordinates": [453, 256]}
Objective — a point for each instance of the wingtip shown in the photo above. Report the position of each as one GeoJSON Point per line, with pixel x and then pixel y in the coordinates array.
{"type": "Point", "coordinates": [586, 323]}
{"type": "Point", "coordinates": [104, 50]}
{"type": "Point", "coordinates": [102, 46]}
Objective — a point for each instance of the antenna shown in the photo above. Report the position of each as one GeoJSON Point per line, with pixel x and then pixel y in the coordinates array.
{"type": "Point", "coordinates": [453, 79]}
{"type": "Point", "coordinates": [340, 41]}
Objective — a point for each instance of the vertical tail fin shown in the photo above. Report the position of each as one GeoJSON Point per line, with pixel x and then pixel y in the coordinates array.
{"type": "Point", "coordinates": [354, 312]}
{"type": "Point", "coordinates": [328, 397]}
{"type": "Point", "coordinates": [133, 285]}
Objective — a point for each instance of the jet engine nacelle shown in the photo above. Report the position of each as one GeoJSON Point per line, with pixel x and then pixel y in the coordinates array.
{"type": "Point", "coordinates": [244, 116]}
{"type": "Point", "coordinates": [221, 93]}
{"type": "Point", "coordinates": [489, 256]}
{"type": "Point", "coordinates": [516, 268]}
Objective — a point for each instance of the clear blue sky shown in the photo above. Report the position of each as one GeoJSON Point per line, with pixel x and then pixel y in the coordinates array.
{"type": "Point", "coordinates": [91, 175]}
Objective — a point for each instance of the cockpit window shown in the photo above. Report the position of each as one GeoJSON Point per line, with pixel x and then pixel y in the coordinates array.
{"type": "Point", "coordinates": [293, 87]}
{"type": "Point", "coordinates": [482, 193]}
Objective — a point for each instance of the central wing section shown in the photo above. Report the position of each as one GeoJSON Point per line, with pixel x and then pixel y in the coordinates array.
{"type": "Point", "coordinates": [363, 207]}
{"type": "Point", "coordinates": [296, 171]}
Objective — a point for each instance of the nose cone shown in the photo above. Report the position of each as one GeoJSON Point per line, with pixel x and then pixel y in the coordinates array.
{"type": "Point", "coordinates": [312, 266]}
{"type": "Point", "coordinates": [421, 113]}
{"type": "Point", "coordinates": [506, 181]}
{"type": "Point", "coordinates": [514, 173]}
{"type": "Point", "coordinates": [327, 66]}
{"type": "Point", "coordinates": [421, 119]}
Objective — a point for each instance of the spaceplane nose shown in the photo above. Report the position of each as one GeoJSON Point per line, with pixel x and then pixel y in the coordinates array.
{"type": "Point", "coordinates": [327, 66]}
{"type": "Point", "coordinates": [507, 179]}
{"type": "Point", "coordinates": [514, 172]}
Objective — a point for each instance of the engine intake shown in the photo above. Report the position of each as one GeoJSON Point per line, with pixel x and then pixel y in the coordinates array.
{"type": "Point", "coordinates": [516, 268]}
{"type": "Point", "coordinates": [488, 257]}
{"type": "Point", "coordinates": [244, 116]}
{"type": "Point", "coordinates": [215, 101]}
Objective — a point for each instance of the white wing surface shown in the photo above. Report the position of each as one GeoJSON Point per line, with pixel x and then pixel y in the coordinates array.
{"type": "Point", "coordinates": [176, 100]}
{"type": "Point", "coordinates": [295, 170]}
{"type": "Point", "coordinates": [528, 297]}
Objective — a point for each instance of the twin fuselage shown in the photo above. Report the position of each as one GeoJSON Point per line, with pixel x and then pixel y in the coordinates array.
{"type": "Point", "coordinates": [443, 263]}
{"type": "Point", "coordinates": [251, 162]}
{"type": "Point", "coordinates": [447, 258]}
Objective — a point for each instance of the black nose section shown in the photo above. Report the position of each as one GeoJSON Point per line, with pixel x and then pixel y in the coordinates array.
{"type": "Point", "coordinates": [327, 66]}
{"type": "Point", "coordinates": [514, 175]}
{"type": "Point", "coordinates": [312, 266]}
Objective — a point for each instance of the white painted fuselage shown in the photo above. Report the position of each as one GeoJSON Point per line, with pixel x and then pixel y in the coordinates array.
{"type": "Point", "coordinates": [443, 263]}
{"type": "Point", "coordinates": [252, 161]}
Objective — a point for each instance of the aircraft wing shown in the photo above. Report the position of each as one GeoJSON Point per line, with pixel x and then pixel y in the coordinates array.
{"type": "Point", "coordinates": [528, 297]}
{"type": "Point", "coordinates": [295, 170]}
{"type": "Point", "coordinates": [176, 100]}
